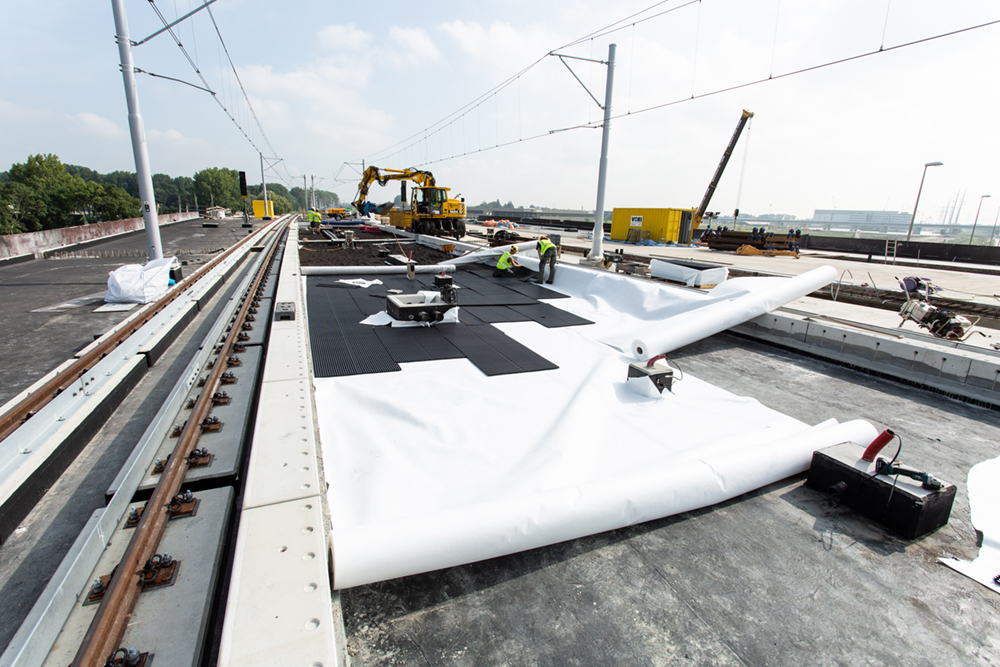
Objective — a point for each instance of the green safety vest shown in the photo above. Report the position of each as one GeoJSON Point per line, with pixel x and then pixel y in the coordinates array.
{"type": "Point", "coordinates": [544, 245]}
{"type": "Point", "coordinates": [504, 262]}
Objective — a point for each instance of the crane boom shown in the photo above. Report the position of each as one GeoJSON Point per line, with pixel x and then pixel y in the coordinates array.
{"type": "Point", "coordinates": [373, 175]}
{"type": "Point", "coordinates": [700, 213]}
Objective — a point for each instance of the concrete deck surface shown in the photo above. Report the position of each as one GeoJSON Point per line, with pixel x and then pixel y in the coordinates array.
{"type": "Point", "coordinates": [33, 343]}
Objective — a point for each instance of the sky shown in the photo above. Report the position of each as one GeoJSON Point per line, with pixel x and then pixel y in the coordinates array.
{"type": "Point", "coordinates": [467, 91]}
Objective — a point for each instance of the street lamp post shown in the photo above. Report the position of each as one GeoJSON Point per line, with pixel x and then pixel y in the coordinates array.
{"type": "Point", "coordinates": [929, 164]}
{"type": "Point", "coordinates": [977, 219]}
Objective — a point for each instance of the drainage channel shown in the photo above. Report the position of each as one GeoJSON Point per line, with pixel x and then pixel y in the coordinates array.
{"type": "Point", "coordinates": [149, 570]}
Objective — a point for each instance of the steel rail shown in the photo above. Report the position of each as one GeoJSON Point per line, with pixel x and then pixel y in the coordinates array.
{"type": "Point", "coordinates": [31, 404]}
{"type": "Point", "coordinates": [105, 633]}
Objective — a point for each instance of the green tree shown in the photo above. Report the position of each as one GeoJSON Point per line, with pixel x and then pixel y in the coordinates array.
{"type": "Point", "coordinates": [126, 180]}
{"type": "Point", "coordinates": [165, 191]}
{"type": "Point", "coordinates": [220, 187]}
{"type": "Point", "coordinates": [46, 189]}
{"type": "Point", "coordinates": [185, 191]}
{"type": "Point", "coordinates": [114, 203]}
{"type": "Point", "coordinates": [19, 208]}
{"type": "Point", "coordinates": [39, 172]}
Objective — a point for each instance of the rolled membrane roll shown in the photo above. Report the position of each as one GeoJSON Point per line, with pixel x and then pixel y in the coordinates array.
{"type": "Point", "coordinates": [685, 328]}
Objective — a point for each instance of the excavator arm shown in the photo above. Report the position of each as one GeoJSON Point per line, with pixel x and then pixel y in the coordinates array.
{"type": "Point", "coordinates": [383, 176]}
{"type": "Point", "coordinates": [700, 213]}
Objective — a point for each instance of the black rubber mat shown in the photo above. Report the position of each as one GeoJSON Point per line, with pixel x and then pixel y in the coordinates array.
{"type": "Point", "coordinates": [549, 316]}
{"type": "Point", "coordinates": [341, 345]}
{"type": "Point", "coordinates": [493, 314]}
{"type": "Point", "coordinates": [495, 353]}
{"type": "Point", "coordinates": [519, 284]}
{"type": "Point", "coordinates": [406, 344]}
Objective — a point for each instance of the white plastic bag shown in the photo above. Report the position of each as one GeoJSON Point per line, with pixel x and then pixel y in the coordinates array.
{"type": "Point", "coordinates": [139, 283]}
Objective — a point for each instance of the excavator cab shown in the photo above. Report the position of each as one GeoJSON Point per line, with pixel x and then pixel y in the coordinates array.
{"type": "Point", "coordinates": [429, 201]}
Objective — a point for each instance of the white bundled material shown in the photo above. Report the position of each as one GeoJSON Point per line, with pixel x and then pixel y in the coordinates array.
{"type": "Point", "coordinates": [378, 270]}
{"type": "Point", "coordinates": [139, 283]}
{"type": "Point", "coordinates": [984, 503]}
{"type": "Point", "coordinates": [687, 275]}
{"type": "Point", "coordinates": [685, 328]}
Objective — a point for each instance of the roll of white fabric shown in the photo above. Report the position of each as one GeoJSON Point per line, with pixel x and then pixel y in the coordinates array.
{"type": "Point", "coordinates": [364, 270]}
{"type": "Point", "coordinates": [685, 328]}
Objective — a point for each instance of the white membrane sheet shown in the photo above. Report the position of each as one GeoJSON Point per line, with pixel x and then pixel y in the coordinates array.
{"type": "Point", "coordinates": [984, 503]}
{"type": "Point", "coordinates": [439, 465]}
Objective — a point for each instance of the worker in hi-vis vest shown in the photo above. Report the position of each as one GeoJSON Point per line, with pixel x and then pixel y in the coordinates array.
{"type": "Point", "coordinates": [506, 263]}
{"type": "Point", "coordinates": [546, 253]}
{"type": "Point", "coordinates": [314, 219]}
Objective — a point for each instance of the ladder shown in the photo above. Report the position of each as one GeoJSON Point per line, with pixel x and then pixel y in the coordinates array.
{"type": "Point", "coordinates": [890, 245]}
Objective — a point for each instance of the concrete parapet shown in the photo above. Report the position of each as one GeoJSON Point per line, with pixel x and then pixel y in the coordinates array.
{"type": "Point", "coordinates": [949, 367]}
{"type": "Point", "coordinates": [33, 244]}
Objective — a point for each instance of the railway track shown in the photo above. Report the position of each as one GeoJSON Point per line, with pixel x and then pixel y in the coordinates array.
{"type": "Point", "coordinates": [141, 561]}
{"type": "Point", "coordinates": [187, 482]}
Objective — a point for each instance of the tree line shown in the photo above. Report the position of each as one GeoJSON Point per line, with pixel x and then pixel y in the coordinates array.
{"type": "Point", "coordinates": [43, 193]}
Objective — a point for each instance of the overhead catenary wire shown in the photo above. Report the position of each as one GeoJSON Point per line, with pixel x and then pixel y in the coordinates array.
{"type": "Point", "coordinates": [168, 27]}
{"type": "Point", "coordinates": [423, 136]}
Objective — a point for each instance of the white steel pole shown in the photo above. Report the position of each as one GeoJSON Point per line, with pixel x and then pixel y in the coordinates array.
{"type": "Point", "coordinates": [142, 170]}
{"type": "Point", "coordinates": [976, 221]}
{"type": "Point", "coordinates": [597, 248]}
{"type": "Point", "coordinates": [263, 184]}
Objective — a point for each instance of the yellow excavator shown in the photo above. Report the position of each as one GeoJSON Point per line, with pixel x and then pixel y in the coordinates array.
{"type": "Point", "coordinates": [430, 211]}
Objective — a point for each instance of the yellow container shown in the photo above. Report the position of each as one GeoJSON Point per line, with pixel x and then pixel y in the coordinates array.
{"type": "Point", "coordinates": [663, 224]}
{"type": "Point", "coordinates": [401, 219]}
{"type": "Point", "coordinates": [258, 209]}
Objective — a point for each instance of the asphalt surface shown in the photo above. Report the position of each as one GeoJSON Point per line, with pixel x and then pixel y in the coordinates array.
{"type": "Point", "coordinates": [33, 343]}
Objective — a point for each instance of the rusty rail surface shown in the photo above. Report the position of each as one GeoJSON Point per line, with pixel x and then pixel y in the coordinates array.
{"type": "Point", "coordinates": [111, 620]}
{"type": "Point", "coordinates": [31, 404]}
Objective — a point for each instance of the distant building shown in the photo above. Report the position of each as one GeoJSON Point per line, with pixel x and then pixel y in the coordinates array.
{"type": "Point", "coordinates": [862, 217]}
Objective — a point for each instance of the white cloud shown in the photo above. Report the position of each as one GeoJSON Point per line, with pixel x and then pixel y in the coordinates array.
{"type": "Point", "coordinates": [411, 46]}
{"type": "Point", "coordinates": [97, 125]}
{"type": "Point", "coordinates": [343, 38]}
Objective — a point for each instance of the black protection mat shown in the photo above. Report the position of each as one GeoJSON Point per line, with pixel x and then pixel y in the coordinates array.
{"type": "Point", "coordinates": [519, 284]}
{"type": "Point", "coordinates": [342, 346]}
{"type": "Point", "coordinates": [494, 352]}
{"type": "Point", "coordinates": [494, 314]}
{"type": "Point", "coordinates": [549, 316]}
{"type": "Point", "coordinates": [406, 344]}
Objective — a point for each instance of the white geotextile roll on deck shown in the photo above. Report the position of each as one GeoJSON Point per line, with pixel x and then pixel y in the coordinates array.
{"type": "Point", "coordinates": [414, 544]}
{"type": "Point", "coordinates": [688, 327]}
{"type": "Point", "coordinates": [368, 270]}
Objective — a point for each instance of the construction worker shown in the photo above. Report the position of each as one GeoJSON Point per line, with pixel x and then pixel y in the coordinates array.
{"type": "Point", "coordinates": [314, 219]}
{"type": "Point", "coordinates": [547, 252]}
{"type": "Point", "coordinates": [506, 263]}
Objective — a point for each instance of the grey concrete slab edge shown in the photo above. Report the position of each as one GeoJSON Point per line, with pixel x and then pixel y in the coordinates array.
{"type": "Point", "coordinates": [978, 384]}
{"type": "Point", "coordinates": [17, 506]}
